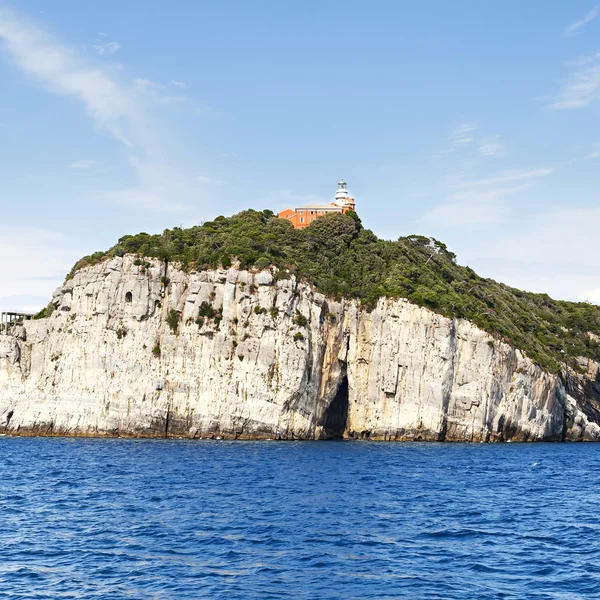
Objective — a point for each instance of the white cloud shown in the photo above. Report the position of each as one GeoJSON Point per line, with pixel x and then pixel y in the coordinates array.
{"type": "Point", "coordinates": [462, 138]}
{"type": "Point", "coordinates": [591, 296]}
{"type": "Point", "coordinates": [581, 89]}
{"type": "Point", "coordinates": [575, 28]}
{"type": "Point", "coordinates": [509, 176]}
{"type": "Point", "coordinates": [203, 179]}
{"type": "Point", "coordinates": [179, 84]}
{"type": "Point", "coordinates": [154, 91]}
{"type": "Point", "coordinates": [481, 201]}
{"type": "Point", "coordinates": [461, 134]}
{"type": "Point", "coordinates": [113, 47]}
{"type": "Point", "coordinates": [39, 261]}
{"type": "Point", "coordinates": [58, 68]}
{"type": "Point", "coordinates": [145, 200]}
{"type": "Point", "coordinates": [109, 48]}
{"type": "Point", "coordinates": [86, 164]}
{"type": "Point", "coordinates": [118, 109]}
{"type": "Point", "coordinates": [492, 147]}
{"type": "Point", "coordinates": [471, 207]}
{"type": "Point", "coordinates": [552, 251]}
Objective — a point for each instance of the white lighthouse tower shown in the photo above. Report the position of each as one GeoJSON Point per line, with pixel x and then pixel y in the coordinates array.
{"type": "Point", "coordinates": [342, 198]}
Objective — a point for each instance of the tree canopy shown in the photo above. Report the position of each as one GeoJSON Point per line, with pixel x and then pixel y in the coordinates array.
{"type": "Point", "coordinates": [343, 259]}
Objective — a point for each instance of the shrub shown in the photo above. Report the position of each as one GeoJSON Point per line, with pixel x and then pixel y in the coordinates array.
{"type": "Point", "coordinates": [156, 350]}
{"type": "Point", "coordinates": [274, 312]}
{"type": "Point", "coordinates": [298, 337]}
{"type": "Point", "coordinates": [121, 333]}
{"type": "Point", "coordinates": [300, 319]}
{"type": "Point", "coordinates": [342, 259]}
{"type": "Point", "coordinates": [173, 320]}
{"type": "Point", "coordinates": [262, 263]}
{"type": "Point", "coordinates": [45, 312]}
{"type": "Point", "coordinates": [217, 320]}
{"type": "Point", "coordinates": [206, 310]}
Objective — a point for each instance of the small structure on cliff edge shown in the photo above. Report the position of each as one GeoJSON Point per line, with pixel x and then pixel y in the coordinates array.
{"type": "Point", "coordinates": [10, 319]}
{"type": "Point", "coordinates": [304, 215]}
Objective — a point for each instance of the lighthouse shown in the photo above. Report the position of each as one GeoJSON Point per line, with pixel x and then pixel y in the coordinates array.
{"type": "Point", "coordinates": [342, 198]}
{"type": "Point", "coordinates": [303, 216]}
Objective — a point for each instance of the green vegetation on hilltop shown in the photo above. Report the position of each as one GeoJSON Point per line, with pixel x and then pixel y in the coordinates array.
{"type": "Point", "coordinates": [342, 259]}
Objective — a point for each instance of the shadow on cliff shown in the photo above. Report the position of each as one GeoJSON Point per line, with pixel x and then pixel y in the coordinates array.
{"type": "Point", "coordinates": [336, 414]}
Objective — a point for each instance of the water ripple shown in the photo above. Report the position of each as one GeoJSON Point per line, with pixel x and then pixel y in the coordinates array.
{"type": "Point", "coordinates": [100, 519]}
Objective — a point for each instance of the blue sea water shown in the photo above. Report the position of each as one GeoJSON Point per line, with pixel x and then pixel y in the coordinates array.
{"type": "Point", "coordinates": [213, 519]}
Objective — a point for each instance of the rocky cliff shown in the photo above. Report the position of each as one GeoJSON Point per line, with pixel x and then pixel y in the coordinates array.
{"type": "Point", "coordinates": [140, 349]}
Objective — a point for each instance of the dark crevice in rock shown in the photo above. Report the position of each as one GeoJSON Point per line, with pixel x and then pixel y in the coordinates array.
{"type": "Point", "coordinates": [9, 416]}
{"type": "Point", "coordinates": [336, 414]}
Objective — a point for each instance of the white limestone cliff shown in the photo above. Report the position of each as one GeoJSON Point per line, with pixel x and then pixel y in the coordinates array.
{"type": "Point", "coordinates": [278, 361]}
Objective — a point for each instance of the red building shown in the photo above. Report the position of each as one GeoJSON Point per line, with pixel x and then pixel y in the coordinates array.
{"type": "Point", "coordinates": [303, 216]}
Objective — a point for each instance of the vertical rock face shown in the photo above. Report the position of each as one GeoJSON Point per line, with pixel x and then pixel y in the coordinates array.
{"type": "Point", "coordinates": [131, 350]}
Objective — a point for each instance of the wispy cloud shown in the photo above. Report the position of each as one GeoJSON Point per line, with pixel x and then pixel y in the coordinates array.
{"type": "Point", "coordinates": [41, 262]}
{"type": "Point", "coordinates": [579, 90]}
{"type": "Point", "coordinates": [492, 147]}
{"type": "Point", "coordinates": [472, 207]}
{"type": "Point", "coordinates": [591, 296]}
{"type": "Point", "coordinates": [119, 109]}
{"type": "Point", "coordinates": [463, 138]}
{"type": "Point", "coordinates": [155, 92]}
{"type": "Point", "coordinates": [576, 27]}
{"type": "Point", "coordinates": [482, 201]}
{"type": "Point", "coordinates": [509, 177]}
{"type": "Point", "coordinates": [58, 68]}
{"type": "Point", "coordinates": [203, 179]}
{"type": "Point", "coordinates": [109, 48]}
{"type": "Point", "coordinates": [179, 84]}
{"type": "Point", "coordinates": [86, 164]}
{"type": "Point", "coordinates": [461, 135]}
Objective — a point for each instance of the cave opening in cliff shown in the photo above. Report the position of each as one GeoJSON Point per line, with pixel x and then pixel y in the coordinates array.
{"type": "Point", "coordinates": [336, 414]}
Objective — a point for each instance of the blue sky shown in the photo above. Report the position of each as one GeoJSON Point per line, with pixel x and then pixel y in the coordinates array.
{"type": "Point", "coordinates": [474, 122]}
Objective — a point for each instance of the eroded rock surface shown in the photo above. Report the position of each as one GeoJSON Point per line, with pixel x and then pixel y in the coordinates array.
{"type": "Point", "coordinates": [271, 358]}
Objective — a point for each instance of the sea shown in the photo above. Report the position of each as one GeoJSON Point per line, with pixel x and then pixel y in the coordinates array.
{"type": "Point", "coordinates": [170, 519]}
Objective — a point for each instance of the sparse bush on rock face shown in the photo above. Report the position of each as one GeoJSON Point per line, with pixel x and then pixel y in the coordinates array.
{"type": "Point", "coordinates": [173, 320]}
{"type": "Point", "coordinates": [45, 312]}
{"type": "Point", "coordinates": [300, 319]}
{"type": "Point", "coordinates": [206, 310]}
{"type": "Point", "coordinates": [344, 260]}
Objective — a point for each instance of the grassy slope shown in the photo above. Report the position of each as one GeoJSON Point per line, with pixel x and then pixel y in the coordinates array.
{"type": "Point", "coordinates": [342, 259]}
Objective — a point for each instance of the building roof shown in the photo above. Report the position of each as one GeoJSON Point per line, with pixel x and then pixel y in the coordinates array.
{"type": "Point", "coordinates": [319, 207]}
